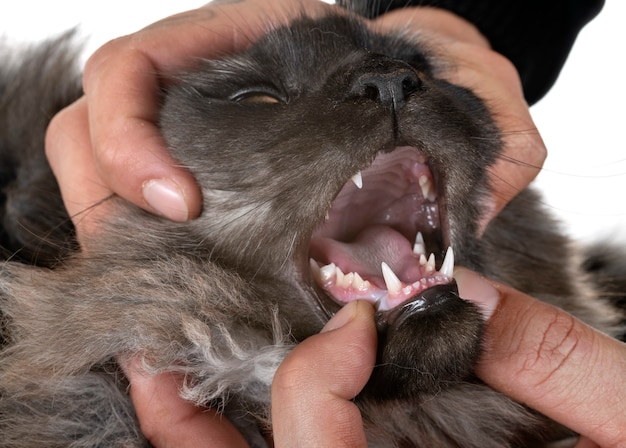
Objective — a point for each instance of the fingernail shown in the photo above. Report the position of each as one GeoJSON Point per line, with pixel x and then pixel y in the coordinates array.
{"type": "Point", "coordinates": [166, 198]}
{"type": "Point", "coordinates": [477, 290]}
{"type": "Point", "coordinates": [343, 316]}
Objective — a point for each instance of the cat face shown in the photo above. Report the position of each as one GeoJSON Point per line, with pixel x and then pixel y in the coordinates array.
{"type": "Point", "coordinates": [336, 166]}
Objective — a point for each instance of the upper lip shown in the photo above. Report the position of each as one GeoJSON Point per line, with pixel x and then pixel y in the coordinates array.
{"type": "Point", "coordinates": [382, 239]}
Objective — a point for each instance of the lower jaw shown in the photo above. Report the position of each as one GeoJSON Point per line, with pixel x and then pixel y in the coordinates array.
{"type": "Point", "coordinates": [347, 287]}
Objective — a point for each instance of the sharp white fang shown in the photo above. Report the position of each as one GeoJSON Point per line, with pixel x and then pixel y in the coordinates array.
{"type": "Point", "coordinates": [419, 248]}
{"type": "Point", "coordinates": [430, 264]}
{"type": "Point", "coordinates": [315, 268]}
{"type": "Point", "coordinates": [425, 184]}
{"type": "Point", "coordinates": [423, 260]}
{"type": "Point", "coordinates": [358, 180]}
{"type": "Point", "coordinates": [447, 267]}
{"type": "Point", "coordinates": [394, 285]}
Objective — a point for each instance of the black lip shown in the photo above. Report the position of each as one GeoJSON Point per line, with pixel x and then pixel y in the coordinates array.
{"type": "Point", "coordinates": [428, 301]}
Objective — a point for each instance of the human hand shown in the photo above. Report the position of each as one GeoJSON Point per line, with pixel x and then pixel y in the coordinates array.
{"type": "Point", "coordinates": [169, 421]}
{"type": "Point", "coordinates": [108, 141]}
{"type": "Point", "coordinates": [312, 389]}
{"type": "Point", "coordinates": [543, 357]}
{"type": "Point", "coordinates": [470, 62]}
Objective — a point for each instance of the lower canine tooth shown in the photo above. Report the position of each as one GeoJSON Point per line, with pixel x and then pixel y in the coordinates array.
{"type": "Point", "coordinates": [394, 285]}
{"type": "Point", "coordinates": [447, 267]}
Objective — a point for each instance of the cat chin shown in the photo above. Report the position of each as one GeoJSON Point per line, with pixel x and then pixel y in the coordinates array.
{"type": "Point", "coordinates": [417, 355]}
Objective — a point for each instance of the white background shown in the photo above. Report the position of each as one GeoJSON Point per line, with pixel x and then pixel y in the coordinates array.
{"type": "Point", "coordinates": [582, 120]}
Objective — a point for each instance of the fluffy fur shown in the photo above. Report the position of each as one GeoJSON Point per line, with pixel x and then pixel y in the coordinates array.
{"type": "Point", "coordinates": [273, 135]}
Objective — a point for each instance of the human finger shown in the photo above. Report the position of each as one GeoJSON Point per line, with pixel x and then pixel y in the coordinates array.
{"type": "Point", "coordinates": [74, 167]}
{"type": "Point", "coordinates": [167, 420]}
{"type": "Point", "coordinates": [122, 83]}
{"type": "Point", "coordinates": [466, 59]}
{"type": "Point", "coordinates": [314, 386]}
{"type": "Point", "coordinates": [545, 358]}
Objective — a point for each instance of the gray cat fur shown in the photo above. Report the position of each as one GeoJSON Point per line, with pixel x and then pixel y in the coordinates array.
{"type": "Point", "coordinates": [222, 299]}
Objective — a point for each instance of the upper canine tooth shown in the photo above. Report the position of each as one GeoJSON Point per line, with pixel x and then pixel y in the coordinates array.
{"type": "Point", "coordinates": [425, 184]}
{"type": "Point", "coordinates": [394, 285]}
{"type": "Point", "coordinates": [447, 267]}
{"type": "Point", "coordinates": [428, 190]}
{"type": "Point", "coordinates": [358, 180]}
{"type": "Point", "coordinates": [419, 248]}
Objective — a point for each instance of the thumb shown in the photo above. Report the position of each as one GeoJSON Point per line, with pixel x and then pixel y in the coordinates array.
{"type": "Point", "coordinates": [313, 386]}
{"type": "Point", "coordinates": [547, 359]}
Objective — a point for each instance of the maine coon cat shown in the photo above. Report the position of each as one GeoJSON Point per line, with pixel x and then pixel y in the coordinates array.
{"type": "Point", "coordinates": [335, 165]}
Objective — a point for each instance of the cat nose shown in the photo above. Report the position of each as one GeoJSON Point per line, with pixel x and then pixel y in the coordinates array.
{"type": "Point", "coordinates": [390, 87]}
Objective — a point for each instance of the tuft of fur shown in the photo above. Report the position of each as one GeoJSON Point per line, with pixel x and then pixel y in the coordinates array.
{"type": "Point", "coordinates": [224, 298]}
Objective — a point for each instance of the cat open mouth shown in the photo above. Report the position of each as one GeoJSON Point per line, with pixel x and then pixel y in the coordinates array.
{"type": "Point", "coordinates": [382, 240]}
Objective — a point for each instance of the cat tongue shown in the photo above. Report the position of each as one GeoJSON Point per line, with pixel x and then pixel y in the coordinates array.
{"type": "Point", "coordinates": [365, 253]}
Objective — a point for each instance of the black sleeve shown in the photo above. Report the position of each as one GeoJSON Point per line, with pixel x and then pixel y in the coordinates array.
{"type": "Point", "coordinates": [536, 35]}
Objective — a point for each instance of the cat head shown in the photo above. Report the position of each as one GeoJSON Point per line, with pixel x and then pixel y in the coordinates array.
{"type": "Point", "coordinates": [336, 165]}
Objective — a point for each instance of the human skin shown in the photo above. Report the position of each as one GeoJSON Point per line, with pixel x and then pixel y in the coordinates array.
{"type": "Point", "coordinates": [111, 132]}
{"type": "Point", "coordinates": [108, 143]}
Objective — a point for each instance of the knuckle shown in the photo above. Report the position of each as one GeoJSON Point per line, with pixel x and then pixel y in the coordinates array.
{"type": "Point", "coordinates": [549, 362]}
{"type": "Point", "coordinates": [291, 375]}
{"type": "Point", "coordinates": [101, 61]}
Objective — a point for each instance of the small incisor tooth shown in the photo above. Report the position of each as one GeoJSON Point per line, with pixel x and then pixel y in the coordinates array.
{"type": "Point", "coordinates": [430, 264]}
{"type": "Point", "coordinates": [327, 272]}
{"type": "Point", "coordinates": [393, 283]}
{"type": "Point", "coordinates": [357, 281]}
{"type": "Point", "coordinates": [358, 180]}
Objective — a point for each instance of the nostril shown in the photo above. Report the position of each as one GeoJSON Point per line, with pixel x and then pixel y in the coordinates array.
{"type": "Point", "coordinates": [371, 92]}
{"type": "Point", "coordinates": [410, 84]}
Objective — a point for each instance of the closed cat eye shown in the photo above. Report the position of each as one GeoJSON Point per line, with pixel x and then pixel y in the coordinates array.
{"type": "Point", "coordinates": [267, 96]}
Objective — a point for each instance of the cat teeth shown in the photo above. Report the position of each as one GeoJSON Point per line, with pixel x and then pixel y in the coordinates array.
{"type": "Point", "coordinates": [393, 283]}
{"type": "Point", "coordinates": [447, 267]}
{"type": "Point", "coordinates": [419, 248]}
{"type": "Point", "coordinates": [430, 263]}
{"type": "Point", "coordinates": [358, 180]}
{"type": "Point", "coordinates": [428, 189]}
{"type": "Point", "coordinates": [332, 276]}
